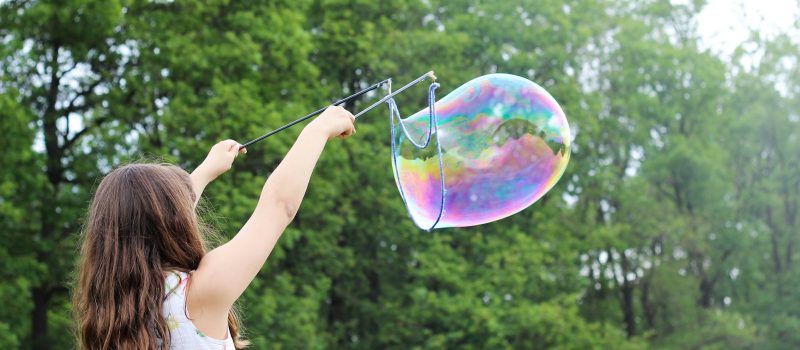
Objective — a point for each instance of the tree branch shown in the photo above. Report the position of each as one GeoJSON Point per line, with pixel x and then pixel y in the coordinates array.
{"type": "Point", "coordinates": [86, 92]}
{"type": "Point", "coordinates": [65, 72]}
{"type": "Point", "coordinates": [72, 107]}
{"type": "Point", "coordinates": [69, 142]}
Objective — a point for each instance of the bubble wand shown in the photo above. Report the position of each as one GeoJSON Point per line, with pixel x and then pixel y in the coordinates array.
{"type": "Point", "coordinates": [346, 99]}
{"type": "Point", "coordinates": [487, 150]}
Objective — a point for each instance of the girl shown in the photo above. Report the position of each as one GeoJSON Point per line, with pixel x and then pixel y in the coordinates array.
{"type": "Point", "coordinates": [145, 280]}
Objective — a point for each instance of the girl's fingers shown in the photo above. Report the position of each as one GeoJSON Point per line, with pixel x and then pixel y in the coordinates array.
{"type": "Point", "coordinates": [232, 145]}
{"type": "Point", "coordinates": [348, 133]}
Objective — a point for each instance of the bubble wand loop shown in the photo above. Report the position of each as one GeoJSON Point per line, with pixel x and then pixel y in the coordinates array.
{"type": "Point", "coordinates": [346, 99]}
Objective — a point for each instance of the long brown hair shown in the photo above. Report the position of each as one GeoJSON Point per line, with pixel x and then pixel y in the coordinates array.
{"type": "Point", "coordinates": [141, 225]}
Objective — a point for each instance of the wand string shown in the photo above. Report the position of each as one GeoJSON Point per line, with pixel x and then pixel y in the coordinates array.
{"type": "Point", "coordinates": [346, 99]}
{"type": "Point", "coordinates": [433, 133]}
{"type": "Point", "coordinates": [392, 94]}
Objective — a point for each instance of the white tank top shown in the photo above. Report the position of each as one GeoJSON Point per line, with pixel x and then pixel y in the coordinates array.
{"type": "Point", "coordinates": [183, 333]}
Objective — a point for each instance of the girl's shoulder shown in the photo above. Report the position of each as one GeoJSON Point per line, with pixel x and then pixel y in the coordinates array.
{"type": "Point", "coordinates": [183, 332]}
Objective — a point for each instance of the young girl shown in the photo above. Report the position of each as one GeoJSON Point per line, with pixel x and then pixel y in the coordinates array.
{"type": "Point", "coordinates": [145, 280]}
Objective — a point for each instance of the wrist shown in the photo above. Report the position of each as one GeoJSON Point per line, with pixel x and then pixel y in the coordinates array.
{"type": "Point", "coordinates": [202, 173]}
{"type": "Point", "coordinates": [315, 130]}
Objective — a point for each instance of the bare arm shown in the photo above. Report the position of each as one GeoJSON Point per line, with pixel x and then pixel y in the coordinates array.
{"type": "Point", "coordinates": [238, 261]}
{"type": "Point", "coordinates": [199, 183]}
{"type": "Point", "coordinates": [225, 272]}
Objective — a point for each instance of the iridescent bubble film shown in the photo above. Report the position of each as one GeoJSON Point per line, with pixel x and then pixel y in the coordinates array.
{"type": "Point", "coordinates": [504, 143]}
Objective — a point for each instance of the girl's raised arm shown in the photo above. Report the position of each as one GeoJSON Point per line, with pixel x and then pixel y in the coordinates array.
{"type": "Point", "coordinates": [226, 271]}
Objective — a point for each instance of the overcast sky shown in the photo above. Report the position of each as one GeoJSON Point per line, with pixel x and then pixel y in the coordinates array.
{"type": "Point", "coordinates": [723, 24]}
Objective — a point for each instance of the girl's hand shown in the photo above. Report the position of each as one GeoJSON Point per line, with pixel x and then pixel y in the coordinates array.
{"type": "Point", "coordinates": [219, 159]}
{"type": "Point", "coordinates": [334, 122]}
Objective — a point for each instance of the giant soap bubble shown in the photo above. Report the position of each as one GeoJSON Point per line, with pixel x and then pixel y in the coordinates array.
{"type": "Point", "coordinates": [503, 142]}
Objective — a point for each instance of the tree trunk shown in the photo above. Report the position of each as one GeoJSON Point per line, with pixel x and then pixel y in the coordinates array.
{"type": "Point", "coordinates": [627, 290]}
{"type": "Point", "coordinates": [627, 309]}
{"type": "Point", "coordinates": [706, 287]}
{"type": "Point", "coordinates": [647, 307]}
{"type": "Point", "coordinates": [41, 299]}
{"type": "Point", "coordinates": [41, 292]}
{"type": "Point", "coordinates": [775, 240]}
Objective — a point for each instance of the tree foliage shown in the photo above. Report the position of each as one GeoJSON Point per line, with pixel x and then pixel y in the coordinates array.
{"type": "Point", "coordinates": [674, 226]}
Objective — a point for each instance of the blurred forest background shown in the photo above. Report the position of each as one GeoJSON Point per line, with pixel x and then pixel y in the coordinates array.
{"type": "Point", "coordinates": [675, 225]}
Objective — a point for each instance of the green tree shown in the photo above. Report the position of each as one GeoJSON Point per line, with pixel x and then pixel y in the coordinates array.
{"type": "Point", "coordinates": [59, 64]}
{"type": "Point", "coordinates": [673, 227]}
{"type": "Point", "coordinates": [763, 163]}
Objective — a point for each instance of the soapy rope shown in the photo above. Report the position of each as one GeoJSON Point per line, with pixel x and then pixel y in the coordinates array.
{"type": "Point", "coordinates": [432, 130]}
